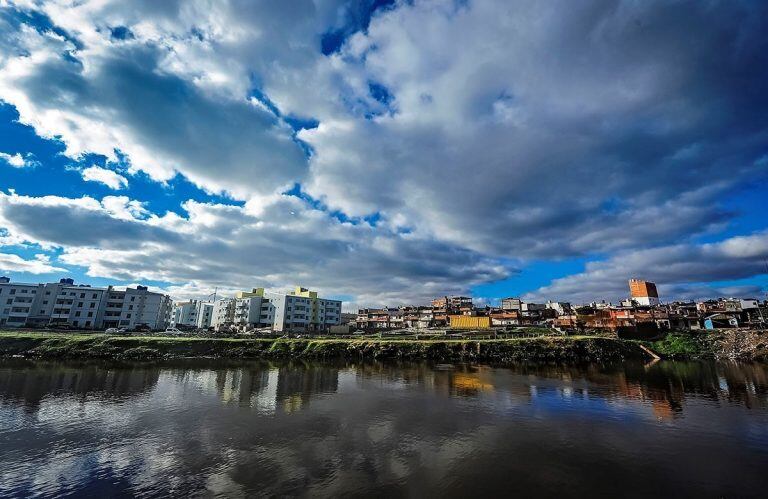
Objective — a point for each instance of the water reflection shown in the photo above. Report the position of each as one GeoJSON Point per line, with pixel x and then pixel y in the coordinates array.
{"type": "Point", "coordinates": [386, 428]}
{"type": "Point", "coordinates": [30, 383]}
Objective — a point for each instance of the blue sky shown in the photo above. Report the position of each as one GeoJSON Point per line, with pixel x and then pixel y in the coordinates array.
{"type": "Point", "coordinates": [387, 151]}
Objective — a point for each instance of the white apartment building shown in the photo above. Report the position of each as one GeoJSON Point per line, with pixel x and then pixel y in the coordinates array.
{"type": "Point", "coordinates": [81, 306]}
{"type": "Point", "coordinates": [223, 313]}
{"type": "Point", "coordinates": [135, 307]}
{"type": "Point", "coordinates": [193, 313]}
{"type": "Point", "coordinates": [253, 309]}
{"type": "Point", "coordinates": [205, 315]}
{"type": "Point", "coordinates": [302, 310]}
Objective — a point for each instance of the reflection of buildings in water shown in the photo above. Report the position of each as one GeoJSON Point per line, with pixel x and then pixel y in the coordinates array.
{"type": "Point", "coordinates": [664, 385]}
{"type": "Point", "coordinates": [297, 385]}
{"type": "Point", "coordinates": [468, 384]}
{"type": "Point", "coordinates": [266, 388]}
{"type": "Point", "coordinates": [394, 375]}
{"type": "Point", "coordinates": [463, 381]}
{"type": "Point", "coordinates": [253, 386]}
{"type": "Point", "coordinates": [744, 383]}
{"type": "Point", "coordinates": [32, 383]}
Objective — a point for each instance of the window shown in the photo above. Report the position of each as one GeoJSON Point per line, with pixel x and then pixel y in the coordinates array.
{"type": "Point", "coordinates": [90, 314]}
{"type": "Point", "coordinates": [95, 296]}
{"type": "Point", "coordinates": [80, 304]}
{"type": "Point", "coordinates": [130, 307]}
{"type": "Point", "coordinates": [23, 291]}
{"type": "Point", "coordinates": [129, 316]}
{"type": "Point", "coordinates": [132, 298]}
{"type": "Point", "coordinates": [13, 291]}
{"type": "Point", "coordinates": [75, 323]}
{"type": "Point", "coordinates": [45, 302]}
{"type": "Point", "coordinates": [82, 295]}
{"type": "Point", "coordinates": [47, 293]}
{"type": "Point", "coordinates": [93, 305]}
{"type": "Point", "coordinates": [77, 314]}
{"type": "Point", "coordinates": [87, 323]}
{"type": "Point", "coordinates": [9, 301]}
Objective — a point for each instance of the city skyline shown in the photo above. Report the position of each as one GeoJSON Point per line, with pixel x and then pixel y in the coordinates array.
{"type": "Point", "coordinates": [489, 149]}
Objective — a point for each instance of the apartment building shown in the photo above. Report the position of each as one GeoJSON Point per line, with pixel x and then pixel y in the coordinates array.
{"type": "Point", "coordinates": [253, 309]}
{"type": "Point", "coordinates": [81, 306]}
{"type": "Point", "coordinates": [303, 310]}
{"type": "Point", "coordinates": [223, 313]}
{"type": "Point", "coordinates": [135, 307]}
{"type": "Point", "coordinates": [193, 313]}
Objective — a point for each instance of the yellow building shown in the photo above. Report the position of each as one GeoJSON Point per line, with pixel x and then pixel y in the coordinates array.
{"type": "Point", "coordinates": [469, 322]}
{"type": "Point", "coordinates": [250, 294]}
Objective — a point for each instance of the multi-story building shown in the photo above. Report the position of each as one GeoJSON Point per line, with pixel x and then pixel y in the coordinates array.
{"type": "Point", "coordinates": [384, 318]}
{"type": "Point", "coordinates": [193, 313]}
{"type": "Point", "coordinates": [135, 307]}
{"type": "Point", "coordinates": [252, 309]}
{"type": "Point", "coordinates": [185, 313]}
{"type": "Point", "coordinates": [223, 313]}
{"type": "Point", "coordinates": [303, 310]}
{"type": "Point", "coordinates": [81, 306]}
{"type": "Point", "coordinates": [373, 318]}
{"type": "Point", "coordinates": [561, 308]}
{"type": "Point", "coordinates": [205, 315]}
{"type": "Point", "coordinates": [643, 292]}
{"type": "Point", "coordinates": [511, 304]}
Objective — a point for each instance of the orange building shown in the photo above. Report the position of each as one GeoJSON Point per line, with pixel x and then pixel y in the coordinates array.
{"type": "Point", "coordinates": [643, 292]}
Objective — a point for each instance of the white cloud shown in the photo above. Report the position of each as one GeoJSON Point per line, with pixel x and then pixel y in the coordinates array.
{"type": "Point", "coordinates": [214, 245]}
{"type": "Point", "coordinates": [681, 271]}
{"type": "Point", "coordinates": [111, 179]}
{"type": "Point", "coordinates": [173, 97]}
{"type": "Point", "coordinates": [546, 129]}
{"type": "Point", "coordinates": [18, 160]}
{"type": "Point", "coordinates": [490, 130]}
{"type": "Point", "coordinates": [39, 265]}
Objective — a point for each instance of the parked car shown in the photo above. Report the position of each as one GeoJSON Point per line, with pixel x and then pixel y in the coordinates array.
{"type": "Point", "coordinates": [115, 330]}
{"type": "Point", "coordinates": [174, 331]}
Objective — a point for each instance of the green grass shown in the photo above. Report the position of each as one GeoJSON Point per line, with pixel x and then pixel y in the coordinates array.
{"type": "Point", "coordinates": [681, 345]}
{"type": "Point", "coordinates": [99, 346]}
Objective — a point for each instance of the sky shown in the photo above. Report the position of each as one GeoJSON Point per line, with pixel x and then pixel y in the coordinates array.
{"type": "Point", "coordinates": [387, 152]}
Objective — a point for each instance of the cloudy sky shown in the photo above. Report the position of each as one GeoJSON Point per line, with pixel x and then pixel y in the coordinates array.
{"type": "Point", "coordinates": [386, 151]}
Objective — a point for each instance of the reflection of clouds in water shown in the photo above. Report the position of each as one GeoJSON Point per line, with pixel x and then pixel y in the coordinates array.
{"type": "Point", "coordinates": [319, 430]}
{"type": "Point", "coordinates": [65, 414]}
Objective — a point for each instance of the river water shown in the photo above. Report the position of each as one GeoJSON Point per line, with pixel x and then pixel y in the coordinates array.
{"type": "Point", "coordinates": [242, 429]}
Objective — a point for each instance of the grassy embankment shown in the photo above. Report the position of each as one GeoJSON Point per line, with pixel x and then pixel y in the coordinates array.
{"type": "Point", "coordinates": [735, 344]}
{"type": "Point", "coordinates": [98, 346]}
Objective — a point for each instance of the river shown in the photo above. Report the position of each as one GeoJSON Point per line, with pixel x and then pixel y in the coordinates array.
{"type": "Point", "coordinates": [383, 429]}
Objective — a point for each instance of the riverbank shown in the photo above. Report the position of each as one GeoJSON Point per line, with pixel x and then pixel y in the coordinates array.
{"type": "Point", "coordinates": [724, 344]}
{"type": "Point", "coordinates": [728, 344]}
{"type": "Point", "coordinates": [98, 346]}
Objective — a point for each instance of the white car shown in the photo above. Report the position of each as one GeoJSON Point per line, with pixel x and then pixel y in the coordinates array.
{"type": "Point", "coordinates": [115, 330]}
{"type": "Point", "coordinates": [172, 330]}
